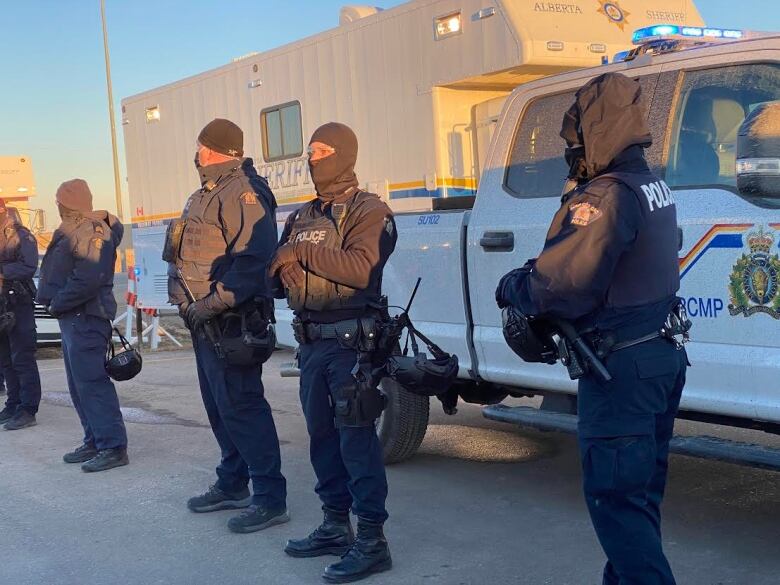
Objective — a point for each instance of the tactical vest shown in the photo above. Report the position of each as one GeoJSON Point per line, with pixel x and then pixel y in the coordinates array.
{"type": "Point", "coordinates": [648, 271]}
{"type": "Point", "coordinates": [326, 230]}
{"type": "Point", "coordinates": [202, 239]}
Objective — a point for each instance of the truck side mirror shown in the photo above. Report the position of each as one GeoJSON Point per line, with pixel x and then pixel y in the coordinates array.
{"type": "Point", "coordinates": [758, 153]}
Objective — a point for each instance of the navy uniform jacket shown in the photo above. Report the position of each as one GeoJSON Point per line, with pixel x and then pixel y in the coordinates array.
{"type": "Point", "coordinates": [77, 272]}
{"type": "Point", "coordinates": [18, 253]}
{"type": "Point", "coordinates": [610, 257]}
{"type": "Point", "coordinates": [228, 239]}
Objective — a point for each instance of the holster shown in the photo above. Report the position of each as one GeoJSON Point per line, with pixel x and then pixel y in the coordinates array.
{"type": "Point", "coordinates": [358, 405]}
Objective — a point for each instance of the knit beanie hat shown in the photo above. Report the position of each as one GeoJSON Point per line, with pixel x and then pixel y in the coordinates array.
{"type": "Point", "coordinates": [223, 136]}
{"type": "Point", "coordinates": [75, 195]}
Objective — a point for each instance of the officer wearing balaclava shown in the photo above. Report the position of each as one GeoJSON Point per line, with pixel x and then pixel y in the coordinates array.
{"type": "Point", "coordinates": [329, 267]}
{"type": "Point", "coordinates": [610, 266]}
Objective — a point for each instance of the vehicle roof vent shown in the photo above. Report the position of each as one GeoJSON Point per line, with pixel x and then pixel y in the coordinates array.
{"type": "Point", "coordinates": [354, 13]}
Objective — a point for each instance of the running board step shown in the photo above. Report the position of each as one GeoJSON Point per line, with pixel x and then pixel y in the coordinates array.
{"type": "Point", "coordinates": [703, 447]}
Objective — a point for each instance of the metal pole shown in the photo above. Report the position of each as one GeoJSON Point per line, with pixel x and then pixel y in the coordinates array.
{"type": "Point", "coordinates": [117, 183]}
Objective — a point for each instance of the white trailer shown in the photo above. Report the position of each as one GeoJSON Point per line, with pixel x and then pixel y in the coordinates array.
{"type": "Point", "coordinates": [422, 84]}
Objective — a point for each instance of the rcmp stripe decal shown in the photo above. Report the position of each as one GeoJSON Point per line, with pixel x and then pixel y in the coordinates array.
{"type": "Point", "coordinates": [718, 236]}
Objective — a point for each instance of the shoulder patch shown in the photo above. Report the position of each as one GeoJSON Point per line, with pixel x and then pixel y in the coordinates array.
{"type": "Point", "coordinates": [98, 243]}
{"type": "Point", "coordinates": [248, 198]}
{"type": "Point", "coordinates": [10, 232]}
{"type": "Point", "coordinates": [583, 214]}
{"type": "Point", "coordinates": [389, 226]}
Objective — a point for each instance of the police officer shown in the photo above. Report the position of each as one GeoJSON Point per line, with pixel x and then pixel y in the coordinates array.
{"type": "Point", "coordinates": [18, 263]}
{"type": "Point", "coordinates": [227, 234]}
{"type": "Point", "coordinates": [77, 287]}
{"type": "Point", "coordinates": [610, 266]}
{"type": "Point", "coordinates": [330, 261]}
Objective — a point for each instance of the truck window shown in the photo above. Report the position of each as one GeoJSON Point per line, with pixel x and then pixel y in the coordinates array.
{"type": "Point", "coordinates": [282, 132]}
{"type": "Point", "coordinates": [536, 165]}
{"type": "Point", "coordinates": [711, 106]}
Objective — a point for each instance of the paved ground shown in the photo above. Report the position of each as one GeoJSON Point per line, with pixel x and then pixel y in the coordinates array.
{"type": "Point", "coordinates": [460, 513]}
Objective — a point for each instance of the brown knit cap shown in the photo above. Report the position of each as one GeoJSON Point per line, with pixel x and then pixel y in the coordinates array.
{"type": "Point", "coordinates": [75, 195]}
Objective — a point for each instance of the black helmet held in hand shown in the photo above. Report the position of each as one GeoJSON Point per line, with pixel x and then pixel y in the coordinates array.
{"type": "Point", "coordinates": [125, 365]}
{"type": "Point", "coordinates": [530, 339]}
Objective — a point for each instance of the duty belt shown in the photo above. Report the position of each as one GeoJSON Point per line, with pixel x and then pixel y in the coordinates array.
{"type": "Point", "coordinates": [348, 332]}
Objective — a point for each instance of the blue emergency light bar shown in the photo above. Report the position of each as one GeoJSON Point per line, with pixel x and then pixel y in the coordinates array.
{"type": "Point", "coordinates": [684, 33]}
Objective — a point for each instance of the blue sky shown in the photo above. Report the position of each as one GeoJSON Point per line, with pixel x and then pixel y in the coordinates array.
{"type": "Point", "coordinates": [53, 101]}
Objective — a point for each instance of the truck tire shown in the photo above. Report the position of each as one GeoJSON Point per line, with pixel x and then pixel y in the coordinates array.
{"type": "Point", "coordinates": [402, 426]}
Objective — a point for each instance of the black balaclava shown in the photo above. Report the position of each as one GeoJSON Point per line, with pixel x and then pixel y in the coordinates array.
{"type": "Point", "coordinates": [335, 174]}
{"type": "Point", "coordinates": [606, 118]}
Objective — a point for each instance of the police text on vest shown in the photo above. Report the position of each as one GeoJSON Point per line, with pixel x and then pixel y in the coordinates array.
{"type": "Point", "coordinates": [658, 194]}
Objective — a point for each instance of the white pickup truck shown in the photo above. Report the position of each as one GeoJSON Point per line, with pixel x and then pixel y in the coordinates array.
{"type": "Point", "coordinates": [696, 99]}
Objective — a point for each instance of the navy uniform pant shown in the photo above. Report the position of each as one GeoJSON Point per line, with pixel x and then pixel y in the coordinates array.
{"type": "Point", "coordinates": [243, 425]}
{"type": "Point", "coordinates": [624, 431]}
{"type": "Point", "coordinates": [347, 460]}
{"type": "Point", "coordinates": [17, 358]}
{"type": "Point", "coordinates": [85, 339]}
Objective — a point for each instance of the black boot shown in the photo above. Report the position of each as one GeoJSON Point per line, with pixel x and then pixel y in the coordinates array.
{"type": "Point", "coordinates": [216, 499]}
{"type": "Point", "coordinates": [333, 537]}
{"type": "Point", "coordinates": [106, 459]}
{"type": "Point", "coordinates": [369, 554]}
{"type": "Point", "coordinates": [256, 518]}
{"type": "Point", "coordinates": [7, 414]}
{"type": "Point", "coordinates": [21, 420]}
{"type": "Point", "coordinates": [81, 454]}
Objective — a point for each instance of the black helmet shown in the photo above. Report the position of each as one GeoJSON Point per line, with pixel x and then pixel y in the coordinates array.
{"type": "Point", "coordinates": [247, 338]}
{"type": "Point", "coordinates": [7, 321]}
{"type": "Point", "coordinates": [125, 365]}
{"type": "Point", "coordinates": [530, 339]}
{"type": "Point", "coordinates": [249, 349]}
{"type": "Point", "coordinates": [423, 376]}
{"type": "Point", "coordinates": [419, 374]}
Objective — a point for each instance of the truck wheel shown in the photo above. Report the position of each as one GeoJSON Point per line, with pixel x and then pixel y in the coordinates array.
{"type": "Point", "coordinates": [402, 426]}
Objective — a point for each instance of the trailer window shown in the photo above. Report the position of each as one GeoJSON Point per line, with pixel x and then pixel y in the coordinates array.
{"type": "Point", "coordinates": [711, 107]}
{"type": "Point", "coordinates": [282, 132]}
{"type": "Point", "coordinates": [536, 165]}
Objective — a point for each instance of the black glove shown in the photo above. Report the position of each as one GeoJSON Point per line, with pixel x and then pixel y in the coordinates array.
{"type": "Point", "coordinates": [183, 313]}
{"type": "Point", "coordinates": [198, 313]}
{"type": "Point", "coordinates": [510, 281]}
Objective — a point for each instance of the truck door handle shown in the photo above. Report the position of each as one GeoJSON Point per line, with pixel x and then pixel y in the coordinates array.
{"type": "Point", "coordinates": [679, 239]}
{"type": "Point", "coordinates": [498, 241]}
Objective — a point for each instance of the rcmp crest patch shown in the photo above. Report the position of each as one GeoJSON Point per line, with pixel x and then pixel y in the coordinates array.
{"type": "Point", "coordinates": [249, 198]}
{"type": "Point", "coordinates": [583, 214]}
{"type": "Point", "coordinates": [753, 285]}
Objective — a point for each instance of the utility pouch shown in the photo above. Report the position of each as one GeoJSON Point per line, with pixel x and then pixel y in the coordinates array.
{"type": "Point", "coordinates": [368, 334]}
{"type": "Point", "coordinates": [173, 237]}
{"type": "Point", "coordinates": [348, 333]}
